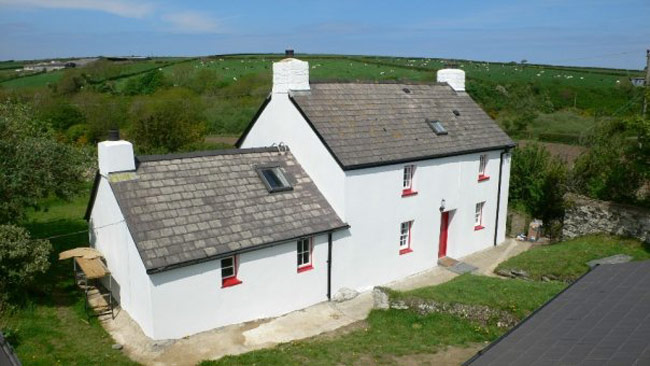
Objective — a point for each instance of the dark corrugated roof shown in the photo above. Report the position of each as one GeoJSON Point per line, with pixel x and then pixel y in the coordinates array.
{"type": "Point", "coordinates": [185, 208]}
{"type": "Point", "coordinates": [602, 319]}
{"type": "Point", "coordinates": [375, 124]}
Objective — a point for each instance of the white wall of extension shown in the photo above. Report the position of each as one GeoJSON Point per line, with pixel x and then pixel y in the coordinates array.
{"type": "Point", "coordinates": [190, 299]}
{"type": "Point", "coordinates": [110, 235]}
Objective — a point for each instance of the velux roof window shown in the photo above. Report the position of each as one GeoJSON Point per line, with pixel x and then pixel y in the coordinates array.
{"type": "Point", "coordinates": [274, 179]}
{"type": "Point", "coordinates": [437, 127]}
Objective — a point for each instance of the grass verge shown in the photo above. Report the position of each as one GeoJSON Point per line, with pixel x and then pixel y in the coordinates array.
{"type": "Point", "coordinates": [518, 297]}
{"type": "Point", "coordinates": [568, 260]}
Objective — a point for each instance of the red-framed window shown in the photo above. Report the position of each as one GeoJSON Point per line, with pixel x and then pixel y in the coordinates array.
{"type": "Point", "coordinates": [478, 216]}
{"type": "Point", "coordinates": [408, 180]}
{"type": "Point", "coordinates": [482, 168]}
{"type": "Point", "coordinates": [405, 237]}
{"type": "Point", "coordinates": [229, 269]}
{"type": "Point", "coordinates": [305, 252]}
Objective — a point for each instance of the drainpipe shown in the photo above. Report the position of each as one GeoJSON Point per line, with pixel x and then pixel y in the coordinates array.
{"type": "Point", "coordinates": [329, 266]}
{"type": "Point", "coordinates": [496, 223]}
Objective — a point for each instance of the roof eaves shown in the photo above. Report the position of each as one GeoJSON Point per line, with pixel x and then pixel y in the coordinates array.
{"type": "Point", "coordinates": [93, 195]}
{"type": "Point", "coordinates": [427, 157]}
{"type": "Point", "coordinates": [313, 128]}
{"type": "Point", "coordinates": [239, 251]}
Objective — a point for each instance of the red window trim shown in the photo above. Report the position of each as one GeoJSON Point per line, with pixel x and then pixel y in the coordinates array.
{"type": "Point", "coordinates": [408, 247]}
{"type": "Point", "coordinates": [310, 265]}
{"type": "Point", "coordinates": [408, 192]}
{"type": "Point", "coordinates": [482, 178]}
{"type": "Point", "coordinates": [232, 280]}
{"type": "Point", "coordinates": [479, 227]}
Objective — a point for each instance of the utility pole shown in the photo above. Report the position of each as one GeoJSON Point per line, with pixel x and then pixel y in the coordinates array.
{"type": "Point", "coordinates": [647, 83]}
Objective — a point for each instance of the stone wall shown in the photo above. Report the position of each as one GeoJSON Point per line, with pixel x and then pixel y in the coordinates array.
{"type": "Point", "coordinates": [587, 216]}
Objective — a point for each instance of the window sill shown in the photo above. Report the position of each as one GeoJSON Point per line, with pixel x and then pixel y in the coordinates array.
{"type": "Point", "coordinates": [479, 227]}
{"type": "Point", "coordinates": [405, 251]}
{"type": "Point", "coordinates": [408, 193]}
{"type": "Point", "coordinates": [229, 282]}
{"type": "Point", "coordinates": [482, 178]}
{"type": "Point", "coordinates": [305, 268]}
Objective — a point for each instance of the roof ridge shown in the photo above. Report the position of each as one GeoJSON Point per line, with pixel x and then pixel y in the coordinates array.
{"type": "Point", "coordinates": [199, 154]}
{"type": "Point", "coordinates": [379, 82]}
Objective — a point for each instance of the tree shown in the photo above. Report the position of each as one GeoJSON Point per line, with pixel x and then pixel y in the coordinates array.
{"type": "Point", "coordinates": [102, 112]}
{"type": "Point", "coordinates": [167, 121]}
{"type": "Point", "coordinates": [34, 164]}
{"type": "Point", "coordinates": [538, 182]}
{"type": "Point", "coordinates": [22, 259]}
{"type": "Point", "coordinates": [145, 84]}
{"type": "Point", "coordinates": [617, 164]}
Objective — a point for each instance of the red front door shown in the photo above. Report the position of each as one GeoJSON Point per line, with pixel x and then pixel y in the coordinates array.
{"type": "Point", "coordinates": [444, 228]}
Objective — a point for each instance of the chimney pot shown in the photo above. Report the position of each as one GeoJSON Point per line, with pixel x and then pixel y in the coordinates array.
{"type": "Point", "coordinates": [288, 52]}
{"type": "Point", "coordinates": [114, 134]}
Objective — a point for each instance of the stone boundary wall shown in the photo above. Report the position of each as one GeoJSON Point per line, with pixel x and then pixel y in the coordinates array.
{"type": "Point", "coordinates": [585, 216]}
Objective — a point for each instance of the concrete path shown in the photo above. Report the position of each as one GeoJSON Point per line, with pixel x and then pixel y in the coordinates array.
{"type": "Point", "coordinates": [305, 323]}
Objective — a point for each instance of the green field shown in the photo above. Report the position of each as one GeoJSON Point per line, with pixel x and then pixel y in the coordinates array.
{"type": "Point", "coordinates": [562, 101]}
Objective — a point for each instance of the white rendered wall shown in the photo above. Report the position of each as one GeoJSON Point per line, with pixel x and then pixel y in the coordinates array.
{"type": "Point", "coordinates": [189, 300]}
{"type": "Point", "coordinates": [110, 235]}
{"type": "Point", "coordinates": [375, 209]}
{"type": "Point", "coordinates": [281, 122]}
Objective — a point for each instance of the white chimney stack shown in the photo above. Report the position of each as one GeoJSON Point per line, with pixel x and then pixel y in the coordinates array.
{"type": "Point", "coordinates": [454, 77]}
{"type": "Point", "coordinates": [115, 155]}
{"type": "Point", "coordinates": [290, 74]}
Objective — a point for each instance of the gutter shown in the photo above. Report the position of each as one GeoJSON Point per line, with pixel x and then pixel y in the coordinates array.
{"type": "Point", "coordinates": [240, 251]}
{"type": "Point", "coordinates": [496, 222]}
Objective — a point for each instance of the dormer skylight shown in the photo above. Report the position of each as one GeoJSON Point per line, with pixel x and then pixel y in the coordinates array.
{"type": "Point", "coordinates": [274, 179]}
{"type": "Point", "coordinates": [437, 127]}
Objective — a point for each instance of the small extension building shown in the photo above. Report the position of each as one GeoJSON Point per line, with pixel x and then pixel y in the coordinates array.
{"type": "Point", "coordinates": [334, 185]}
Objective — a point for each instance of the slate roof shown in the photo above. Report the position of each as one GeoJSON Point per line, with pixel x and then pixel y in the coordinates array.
{"type": "Point", "coordinates": [377, 124]}
{"type": "Point", "coordinates": [602, 319]}
{"type": "Point", "coordinates": [185, 208]}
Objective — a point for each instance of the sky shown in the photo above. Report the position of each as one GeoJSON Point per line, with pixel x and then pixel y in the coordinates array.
{"type": "Point", "coordinates": [613, 33]}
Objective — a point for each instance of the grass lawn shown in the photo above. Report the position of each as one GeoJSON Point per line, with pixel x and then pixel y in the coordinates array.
{"type": "Point", "coordinates": [567, 260]}
{"type": "Point", "coordinates": [52, 328]}
{"type": "Point", "coordinates": [387, 333]}
{"type": "Point", "coordinates": [518, 297]}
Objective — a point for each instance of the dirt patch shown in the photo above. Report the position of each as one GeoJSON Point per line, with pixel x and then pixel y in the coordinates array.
{"type": "Point", "coordinates": [449, 356]}
{"type": "Point", "coordinates": [569, 153]}
{"type": "Point", "coordinates": [360, 325]}
{"type": "Point", "coordinates": [230, 140]}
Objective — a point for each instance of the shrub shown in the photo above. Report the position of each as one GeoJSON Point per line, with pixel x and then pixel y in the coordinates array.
{"type": "Point", "coordinates": [22, 259]}
{"type": "Point", "coordinates": [167, 121]}
{"type": "Point", "coordinates": [538, 183]}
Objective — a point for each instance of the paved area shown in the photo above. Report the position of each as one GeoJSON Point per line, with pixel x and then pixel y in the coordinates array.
{"type": "Point", "coordinates": [309, 322]}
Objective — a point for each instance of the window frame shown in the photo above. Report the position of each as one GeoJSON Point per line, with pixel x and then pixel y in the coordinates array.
{"type": "Point", "coordinates": [230, 280]}
{"type": "Point", "coordinates": [408, 180]}
{"type": "Point", "coordinates": [405, 237]}
{"type": "Point", "coordinates": [310, 264]}
{"type": "Point", "coordinates": [482, 168]}
{"type": "Point", "coordinates": [478, 216]}
{"type": "Point", "coordinates": [279, 172]}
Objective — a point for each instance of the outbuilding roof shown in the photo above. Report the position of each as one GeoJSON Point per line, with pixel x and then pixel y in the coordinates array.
{"type": "Point", "coordinates": [365, 124]}
{"type": "Point", "coordinates": [186, 208]}
{"type": "Point", "coordinates": [602, 319]}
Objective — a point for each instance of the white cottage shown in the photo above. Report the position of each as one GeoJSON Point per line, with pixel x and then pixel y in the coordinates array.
{"type": "Point", "coordinates": [334, 185]}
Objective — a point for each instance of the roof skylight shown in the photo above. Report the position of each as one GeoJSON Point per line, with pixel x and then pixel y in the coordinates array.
{"type": "Point", "coordinates": [437, 127]}
{"type": "Point", "coordinates": [274, 179]}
